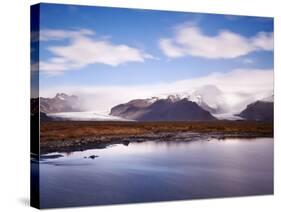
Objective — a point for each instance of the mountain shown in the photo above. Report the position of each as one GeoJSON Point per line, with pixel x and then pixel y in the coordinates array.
{"type": "Point", "coordinates": [268, 99]}
{"type": "Point", "coordinates": [261, 110]}
{"type": "Point", "coordinates": [132, 109]}
{"type": "Point", "coordinates": [155, 109]}
{"type": "Point", "coordinates": [208, 97]}
{"type": "Point", "coordinates": [60, 103]}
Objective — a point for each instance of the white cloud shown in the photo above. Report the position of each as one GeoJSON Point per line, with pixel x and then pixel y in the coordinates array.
{"type": "Point", "coordinates": [190, 40]}
{"type": "Point", "coordinates": [263, 41]}
{"type": "Point", "coordinates": [170, 49]}
{"type": "Point", "coordinates": [58, 34]}
{"type": "Point", "coordinates": [239, 88]}
{"type": "Point", "coordinates": [82, 50]}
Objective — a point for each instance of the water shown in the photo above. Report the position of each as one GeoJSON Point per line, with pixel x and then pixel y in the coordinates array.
{"type": "Point", "coordinates": [158, 171]}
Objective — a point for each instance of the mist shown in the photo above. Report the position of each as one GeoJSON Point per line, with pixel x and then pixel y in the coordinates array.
{"type": "Point", "coordinates": [236, 89]}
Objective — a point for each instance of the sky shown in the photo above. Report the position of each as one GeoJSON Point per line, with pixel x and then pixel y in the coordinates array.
{"type": "Point", "coordinates": [111, 55]}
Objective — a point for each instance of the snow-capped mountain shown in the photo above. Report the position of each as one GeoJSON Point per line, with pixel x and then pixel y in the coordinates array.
{"type": "Point", "coordinates": [172, 108]}
{"type": "Point", "coordinates": [268, 99]}
{"type": "Point", "coordinates": [208, 97]}
{"type": "Point", "coordinates": [60, 103]}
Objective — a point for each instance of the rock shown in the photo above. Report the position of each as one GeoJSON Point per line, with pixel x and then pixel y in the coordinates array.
{"type": "Point", "coordinates": [126, 143]}
{"type": "Point", "coordinates": [46, 157]}
{"type": "Point", "coordinates": [93, 156]}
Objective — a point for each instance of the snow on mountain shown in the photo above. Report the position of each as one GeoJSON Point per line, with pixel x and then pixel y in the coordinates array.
{"type": "Point", "coordinates": [86, 116]}
{"type": "Point", "coordinates": [208, 97]}
{"type": "Point", "coordinates": [227, 116]}
{"type": "Point", "coordinates": [170, 109]}
{"type": "Point", "coordinates": [268, 99]}
{"type": "Point", "coordinates": [216, 101]}
{"type": "Point", "coordinates": [60, 103]}
{"type": "Point", "coordinates": [152, 100]}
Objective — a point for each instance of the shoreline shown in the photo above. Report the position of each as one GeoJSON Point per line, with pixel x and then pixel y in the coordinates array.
{"type": "Point", "coordinates": [97, 143]}
{"type": "Point", "coordinates": [68, 136]}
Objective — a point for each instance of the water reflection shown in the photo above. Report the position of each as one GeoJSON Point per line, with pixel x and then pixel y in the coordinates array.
{"type": "Point", "coordinates": [158, 171]}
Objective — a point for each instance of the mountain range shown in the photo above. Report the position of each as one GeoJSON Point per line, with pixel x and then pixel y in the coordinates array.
{"type": "Point", "coordinates": [184, 107]}
{"type": "Point", "coordinates": [60, 103]}
{"type": "Point", "coordinates": [205, 104]}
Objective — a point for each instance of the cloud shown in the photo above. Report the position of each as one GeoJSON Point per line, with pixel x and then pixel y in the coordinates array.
{"type": "Point", "coordinates": [263, 41]}
{"type": "Point", "coordinates": [83, 50]}
{"type": "Point", "coordinates": [189, 40]}
{"type": "Point", "coordinates": [239, 87]}
{"type": "Point", "coordinates": [57, 34]}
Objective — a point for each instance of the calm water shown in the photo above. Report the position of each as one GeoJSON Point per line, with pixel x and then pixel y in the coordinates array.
{"type": "Point", "coordinates": [154, 171]}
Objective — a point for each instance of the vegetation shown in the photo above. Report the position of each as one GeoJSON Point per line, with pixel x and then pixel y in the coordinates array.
{"type": "Point", "coordinates": [61, 134]}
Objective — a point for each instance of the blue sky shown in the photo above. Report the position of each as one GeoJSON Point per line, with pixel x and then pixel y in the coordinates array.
{"type": "Point", "coordinates": [131, 47]}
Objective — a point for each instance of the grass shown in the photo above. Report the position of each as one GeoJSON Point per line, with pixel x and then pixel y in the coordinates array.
{"type": "Point", "coordinates": [64, 130]}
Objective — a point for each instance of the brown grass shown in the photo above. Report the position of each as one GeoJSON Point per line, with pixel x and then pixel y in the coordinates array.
{"type": "Point", "coordinates": [63, 130]}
